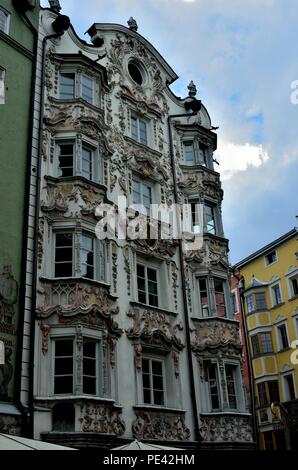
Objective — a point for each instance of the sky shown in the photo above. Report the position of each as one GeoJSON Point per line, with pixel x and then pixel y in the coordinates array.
{"type": "Point", "coordinates": [243, 57]}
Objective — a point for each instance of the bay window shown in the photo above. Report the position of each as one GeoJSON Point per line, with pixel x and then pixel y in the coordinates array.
{"type": "Point", "coordinates": [78, 160]}
{"type": "Point", "coordinates": [73, 85]}
{"type": "Point", "coordinates": [214, 297]}
{"type": "Point", "coordinates": [87, 249]}
{"type": "Point", "coordinates": [65, 357]}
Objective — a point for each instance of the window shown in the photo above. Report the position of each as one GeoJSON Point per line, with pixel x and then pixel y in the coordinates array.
{"type": "Point", "coordinates": [212, 375]}
{"type": "Point", "coordinates": [142, 194]}
{"type": "Point", "coordinates": [204, 297]}
{"type": "Point", "coordinates": [270, 258]}
{"type": "Point", "coordinates": [138, 129]}
{"type": "Point", "coordinates": [195, 216]}
{"type": "Point", "coordinates": [209, 219]}
{"type": "Point", "coordinates": [77, 85]}
{"type": "Point", "coordinates": [87, 163]}
{"type": "Point", "coordinates": [220, 303]}
{"type": "Point", "coordinates": [78, 160]}
{"type": "Point", "coordinates": [2, 85]}
{"type": "Point", "coordinates": [195, 153]}
{"type": "Point", "coordinates": [256, 302]}
{"type": "Point", "coordinates": [66, 155]}
{"type": "Point", "coordinates": [268, 392]}
{"type": "Point", "coordinates": [231, 385]}
{"type": "Point", "coordinates": [250, 303]}
{"type": "Point", "coordinates": [67, 86]}
{"type": "Point", "coordinates": [212, 296]}
{"type": "Point", "coordinates": [66, 255]}
{"type": "Point", "coordinates": [63, 375]}
{"type": "Point", "coordinates": [282, 337]}
{"type": "Point", "coordinates": [136, 73]}
{"type": "Point", "coordinates": [261, 343]}
{"type": "Point", "coordinates": [293, 284]}
{"type": "Point", "coordinates": [65, 356]}
{"type": "Point", "coordinates": [289, 388]}
{"type": "Point", "coordinates": [87, 88]}
{"type": "Point", "coordinates": [234, 302]}
{"type": "Point", "coordinates": [4, 21]}
{"type": "Point", "coordinates": [276, 295]}
{"type": "Point", "coordinates": [89, 367]}
{"type": "Point", "coordinates": [147, 285]}
{"type": "Point", "coordinates": [153, 382]}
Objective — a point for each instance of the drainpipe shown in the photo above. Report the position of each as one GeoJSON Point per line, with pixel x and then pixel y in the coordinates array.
{"type": "Point", "coordinates": [249, 363]}
{"type": "Point", "coordinates": [60, 25]}
{"type": "Point", "coordinates": [183, 280]}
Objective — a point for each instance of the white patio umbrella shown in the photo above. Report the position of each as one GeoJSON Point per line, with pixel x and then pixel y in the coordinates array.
{"type": "Point", "coordinates": [8, 442]}
{"type": "Point", "coordinates": [137, 445]}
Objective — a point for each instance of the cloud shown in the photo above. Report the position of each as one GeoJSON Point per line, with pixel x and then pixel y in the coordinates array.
{"type": "Point", "coordinates": [236, 157]}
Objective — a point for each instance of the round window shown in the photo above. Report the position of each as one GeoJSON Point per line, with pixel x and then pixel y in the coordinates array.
{"type": "Point", "coordinates": [136, 73]}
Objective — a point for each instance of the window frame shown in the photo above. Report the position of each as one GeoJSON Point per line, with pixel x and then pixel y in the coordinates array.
{"type": "Point", "coordinates": [137, 136]}
{"type": "Point", "coordinates": [280, 337]}
{"type": "Point", "coordinates": [211, 296]}
{"type": "Point", "coordinates": [267, 263]}
{"type": "Point", "coordinates": [99, 379]}
{"type": "Point", "coordinates": [274, 297]}
{"type": "Point", "coordinates": [157, 271]}
{"type": "Point", "coordinates": [152, 359]}
{"type": "Point", "coordinates": [78, 85]}
{"type": "Point", "coordinates": [99, 253]}
{"type": "Point", "coordinates": [148, 185]}
{"type": "Point", "coordinates": [77, 163]}
{"type": "Point", "coordinates": [2, 85]}
{"type": "Point", "coordinates": [7, 22]}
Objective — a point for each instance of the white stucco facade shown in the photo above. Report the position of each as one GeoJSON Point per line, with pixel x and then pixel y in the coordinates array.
{"type": "Point", "coordinates": [120, 351]}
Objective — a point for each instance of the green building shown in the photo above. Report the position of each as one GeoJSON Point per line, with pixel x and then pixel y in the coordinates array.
{"type": "Point", "coordinates": [18, 45]}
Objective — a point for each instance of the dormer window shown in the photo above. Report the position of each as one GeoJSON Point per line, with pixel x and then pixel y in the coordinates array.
{"type": "Point", "coordinates": [270, 258]}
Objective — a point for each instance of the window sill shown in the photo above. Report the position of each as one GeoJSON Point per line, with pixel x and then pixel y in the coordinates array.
{"type": "Point", "coordinates": [285, 350]}
{"type": "Point", "coordinates": [293, 298]}
{"type": "Point", "coordinates": [55, 398]}
{"type": "Point", "coordinates": [277, 306]}
{"type": "Point", "coordinates": [256, 356]}
{"type": "Point", "coordinates": [223, 413]}
{"type": "Point", "coordinates": [215, 318]}
{"type": "Point", "coordinates": [159, 408]}
{"type": "Point", "coordinates": [151, 307]}
{"type": "Point", "coordinates": [259, 310]}
{"type": "Point", "coordinates": [143, 146]}
{"type": "Point", "coordinates": [183, 166]}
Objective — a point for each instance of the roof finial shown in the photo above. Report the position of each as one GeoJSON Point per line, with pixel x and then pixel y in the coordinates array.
{"type": "Point", "coordinates": [192, 89]}
{"type": "Point", "coordinates": [55, 5]}
{"type": "Point", "coordinates": [132, 24]}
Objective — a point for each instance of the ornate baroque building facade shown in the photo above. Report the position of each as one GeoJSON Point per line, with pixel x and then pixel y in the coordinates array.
{"type": "Point", "coordinates": [133, 338]}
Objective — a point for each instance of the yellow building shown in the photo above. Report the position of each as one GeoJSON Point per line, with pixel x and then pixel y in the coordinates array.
{"type": "Point", "coordinates": [269, 290]}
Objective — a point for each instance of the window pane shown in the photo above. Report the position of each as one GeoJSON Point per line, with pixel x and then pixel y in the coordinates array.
{"type": "Point", "coordinates": [152, 276]}
{"type": "Point", "coordinates": [231, 386]}
{"type": "Point", "coordinates": [67, 86]}
{"type": "Point", "coordinates": [147, 396]}
{"type": "Point", "coordinates": [266, 342]}
{"type": "Point", "coordinates": [134, 128]}
{"type": "Point", "coordinates": [87, 257]}
{"type": "Point", "coordinates": [209, 220]}
{"type": "Point", "coordinates": [136, 192]}
{"type": "Point", "coordinates": [3, 21]}
{"type": "Point", "coordinates": [250, 303]}
{"type": "Point", "coordinates": [157, 367]}
{"type": "Point", "coordinates": [87, 89]}
{"type": "Point", "coordinates": [189, 153]}
{"type": "Point", "coordinates": [63, 385]}
{"type": "Point", "coordinates": [263, 400]}
{"type": "Point", "coordinates": [87, 163]}
{"type": "Point", "coordinates": [290, 387]}
{"type": "Point", "coordinates": [143, 132]}
{"type": "Point", "coordinates": [273, 391]}
{"type": "Point", "coordinates": [255, 345]}
{"type": "Point", "coordinates": [66, 159]}
{"type": "Point", "coordinates": [63, 255]}
{"type": "Point", "coordinates": [63, 365]}
{"type": "Point", "coordinates": [89, 385]}
{"type": "Point", "coordinates": [219, 298]}
{"type": "Point", "coordinates": [63, 375]}
{"type": "Point", "coordinates": [260, 301]}
{"type": "Point", "coordinates": [63, 348]}
{"type": "Point", "coordinates": [202, 154]}
{"type": "Point", "coordinates": [158, 397]}
{"type": "Point", "coordinates": [283, 337]}
{"type": "Point", "coordinates": [213, 386]}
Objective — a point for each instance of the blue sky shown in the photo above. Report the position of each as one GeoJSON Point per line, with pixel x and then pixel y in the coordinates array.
{"type": "Point", "coordinates": [242, 55]}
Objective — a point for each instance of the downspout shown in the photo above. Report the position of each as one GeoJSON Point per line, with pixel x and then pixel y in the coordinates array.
{"type": "Point", "coordinates": [36, 217]}
{"type": "Point", "coordinates": [249, 364]}
{"type": "Point", "coordinates": [183, 280]}
{"type": "Point", "coordinates": [19, 352]}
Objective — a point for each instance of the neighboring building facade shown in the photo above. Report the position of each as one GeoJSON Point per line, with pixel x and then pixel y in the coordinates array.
{"type": "Point", "coordinates": [133, 338]}
{"type": "Point", "coordinates": [18, 38]}
{"type": "Point", "coordinates": [269, 286]}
